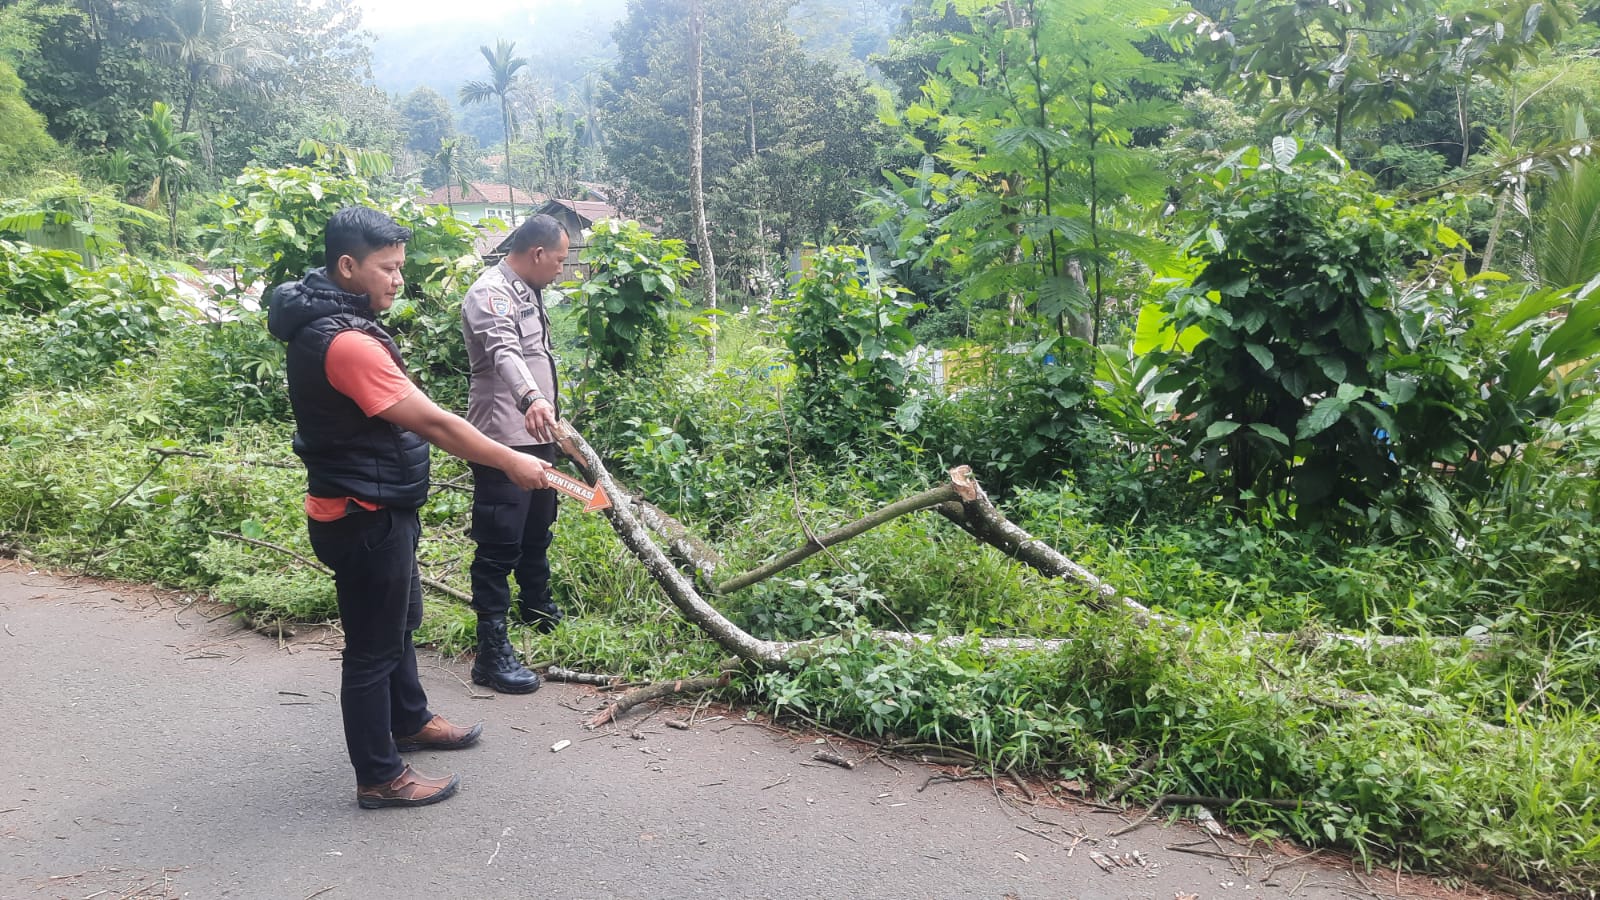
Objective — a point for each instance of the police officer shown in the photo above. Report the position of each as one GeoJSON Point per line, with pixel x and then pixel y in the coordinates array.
{"type": "Point", "coordinates": [513, 400]}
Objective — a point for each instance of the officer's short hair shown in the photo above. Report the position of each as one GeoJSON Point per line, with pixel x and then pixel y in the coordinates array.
{"type": "Point", "coordinates": [536, 231]}
{"type": "Point", "coordinates": [356, 231]}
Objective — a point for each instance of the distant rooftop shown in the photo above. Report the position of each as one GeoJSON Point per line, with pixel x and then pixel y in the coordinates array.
{"type": "Point", "coordinates": [588, 210]}
{"type": "Point", "coordinates": [483, 192]}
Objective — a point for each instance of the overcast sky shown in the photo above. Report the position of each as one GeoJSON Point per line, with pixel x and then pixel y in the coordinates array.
{"type": "Point", "coordinates": [380, 15]}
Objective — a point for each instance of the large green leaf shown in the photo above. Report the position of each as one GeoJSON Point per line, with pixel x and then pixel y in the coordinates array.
{"type": "Point", "coordinates": [1322, 417]}
{"type": "Point", "coordinates": [1220, 430]}
{"type": "Point", "coordinates": [1155, 330]}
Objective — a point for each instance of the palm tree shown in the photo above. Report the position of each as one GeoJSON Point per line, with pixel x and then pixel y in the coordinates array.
{"type": "Point", "coordinates": [168, 148]}
{"type": "Point", "coordinates": [591, 135]}
{"type": "Point", "coordinates": [503, 69]}
{"type": "Point", "coordinates": [1566, 239]}
{"type": "Point", "coordinates": [448, 162]}
{"type": "Point", "coordinates": [211, 47]}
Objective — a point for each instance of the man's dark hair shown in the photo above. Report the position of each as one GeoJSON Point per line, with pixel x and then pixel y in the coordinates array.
{"type": "Point", "coordinates": [356, 231]}
{"type": "Point", "coordinates": [536, 231]}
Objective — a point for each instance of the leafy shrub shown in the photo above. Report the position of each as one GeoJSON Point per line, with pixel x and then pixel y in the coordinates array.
{"type": "Point", "coordinates": [223, 374]}
{"type": "Point", "coordinates": [845, 326]}
{"type": "Point", "coordinates": [34, 280]}
{"type": "Point", "coordinates": [699, 440]}
{"type": "Point", "coordinates": [119, 313]}
{"type": "Point", "coordinates": [623, 305]}
{"type": "Point", "coordinates": [428, 332]}
{"type": "Point", "coordinates": [1284, 403]}
{"type": "Point", "coordinates": [1031, 419]}
{"type": "Point", "coordinates": [269, 227]}
{"type": "Point", "coordinates": [27, 144]}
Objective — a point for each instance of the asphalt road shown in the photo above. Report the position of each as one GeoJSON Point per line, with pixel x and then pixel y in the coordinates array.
{"type": "Point", "coordinates": [149, 752]}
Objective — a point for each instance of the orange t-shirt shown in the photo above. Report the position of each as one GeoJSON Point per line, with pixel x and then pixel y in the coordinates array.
{"type": "Point", "coordinates": [360, 368]}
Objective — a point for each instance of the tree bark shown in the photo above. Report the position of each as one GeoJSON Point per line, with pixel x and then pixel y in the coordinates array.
{"type": "Point", "coordinates": [505, 123]}
{"type": "Point", "coordinates": [974, 514]}
{"type": "Point", "coordinates": [697, 187]}
{"type": "Point", "coordinates": [702, 559]}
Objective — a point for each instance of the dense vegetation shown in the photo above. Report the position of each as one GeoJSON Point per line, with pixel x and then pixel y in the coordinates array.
{"type": "Point", "coordinates": [1280, 317]}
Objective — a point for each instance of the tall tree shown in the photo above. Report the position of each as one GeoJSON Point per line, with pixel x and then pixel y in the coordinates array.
{"type": "Point", "coordinates": [503, 68]}
{"type": "Point", "coordinates": [815, 131]}
{"type": "Point", "coordinates": [169, 149]}
{"type": "Point", "coordinates": [1033, 117]}
{"type": "Point", "coordinates": [428, 119]}
{"type": "Point", "coordinates": [697, 185]}
{"type": "Point", "coordinates": [90, 70]}
{"type": "Point", "coordinates": [448, 163]}
{"type": "Point", "coordinates": [1342, 64]}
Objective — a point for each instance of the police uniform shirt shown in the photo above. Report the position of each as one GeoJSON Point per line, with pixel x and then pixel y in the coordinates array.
{"type": "Point", "coordinates": [508, 346]}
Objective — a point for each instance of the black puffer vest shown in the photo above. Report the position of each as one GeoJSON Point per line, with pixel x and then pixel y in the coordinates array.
{"type": "Point", "coordinates": [347, 454]}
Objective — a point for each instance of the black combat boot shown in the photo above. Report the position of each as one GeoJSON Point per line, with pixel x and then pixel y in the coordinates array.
{"type": "Point", "coordinates": [497, 666]}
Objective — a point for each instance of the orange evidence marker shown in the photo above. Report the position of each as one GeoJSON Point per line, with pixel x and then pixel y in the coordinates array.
{"type": "Point", "coordinates": [594, 498]}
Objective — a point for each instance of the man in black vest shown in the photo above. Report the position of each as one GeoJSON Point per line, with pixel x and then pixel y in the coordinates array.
{"type": "Point", "coordinates": [362, 430]}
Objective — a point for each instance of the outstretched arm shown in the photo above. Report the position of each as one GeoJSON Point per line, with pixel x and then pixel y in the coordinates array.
{"type": "Point", "coordinates": [451, 433]}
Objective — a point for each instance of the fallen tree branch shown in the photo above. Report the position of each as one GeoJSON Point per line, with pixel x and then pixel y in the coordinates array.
{"type": "Point", "coordinates": [445, 589]}
{"type": "Point", "coordinates": [164, 454]}
{"type": "Point", "coordinates": [677, 587]}
{"type": "Point", "coordinates": [656, 691]}
{"type": "Point", "coordinates": [978, 517]}
{"type": "Point", "coordinates": [304, 560]}
{"type": "Point", "coordinates": [1197, 800]}
{"type": "Point", "coordinates": [970, 510]}
{"type": "Point", "coordinates": [940, 778]}
{"type": "Point", "coordinates": [557, 673]}
{"type": "Point", "coordinates": [1138, 772]}
{"type": "Point", "coordinates": [974, 514]}
{"type": "Point", "coordinates": [701, 557]}
{"type": "Point", "coordinates": [832, 759]}
{"type": "Point", "coordinates": [943, 494]}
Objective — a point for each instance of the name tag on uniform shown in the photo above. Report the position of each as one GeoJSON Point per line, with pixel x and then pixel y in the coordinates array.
{"type": "Point", "coordinates": [528, 311]}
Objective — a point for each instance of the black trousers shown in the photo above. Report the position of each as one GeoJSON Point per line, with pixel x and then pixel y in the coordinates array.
{"type": "Point", "coordinates": [373, 556]}
{"type": "Point", "coordinates": [512, 529]}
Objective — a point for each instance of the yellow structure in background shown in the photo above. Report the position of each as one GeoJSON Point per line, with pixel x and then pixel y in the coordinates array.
{"type": "Point", "coordinates": [961, 367]}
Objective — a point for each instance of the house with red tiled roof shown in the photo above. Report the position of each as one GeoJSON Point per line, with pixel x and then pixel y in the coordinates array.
{"type": "Point", "coordinates": [486, 200]}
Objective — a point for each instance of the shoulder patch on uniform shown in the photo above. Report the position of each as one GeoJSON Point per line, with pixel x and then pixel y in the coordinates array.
{"type": "Point", "coordinates": [500, 305]}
